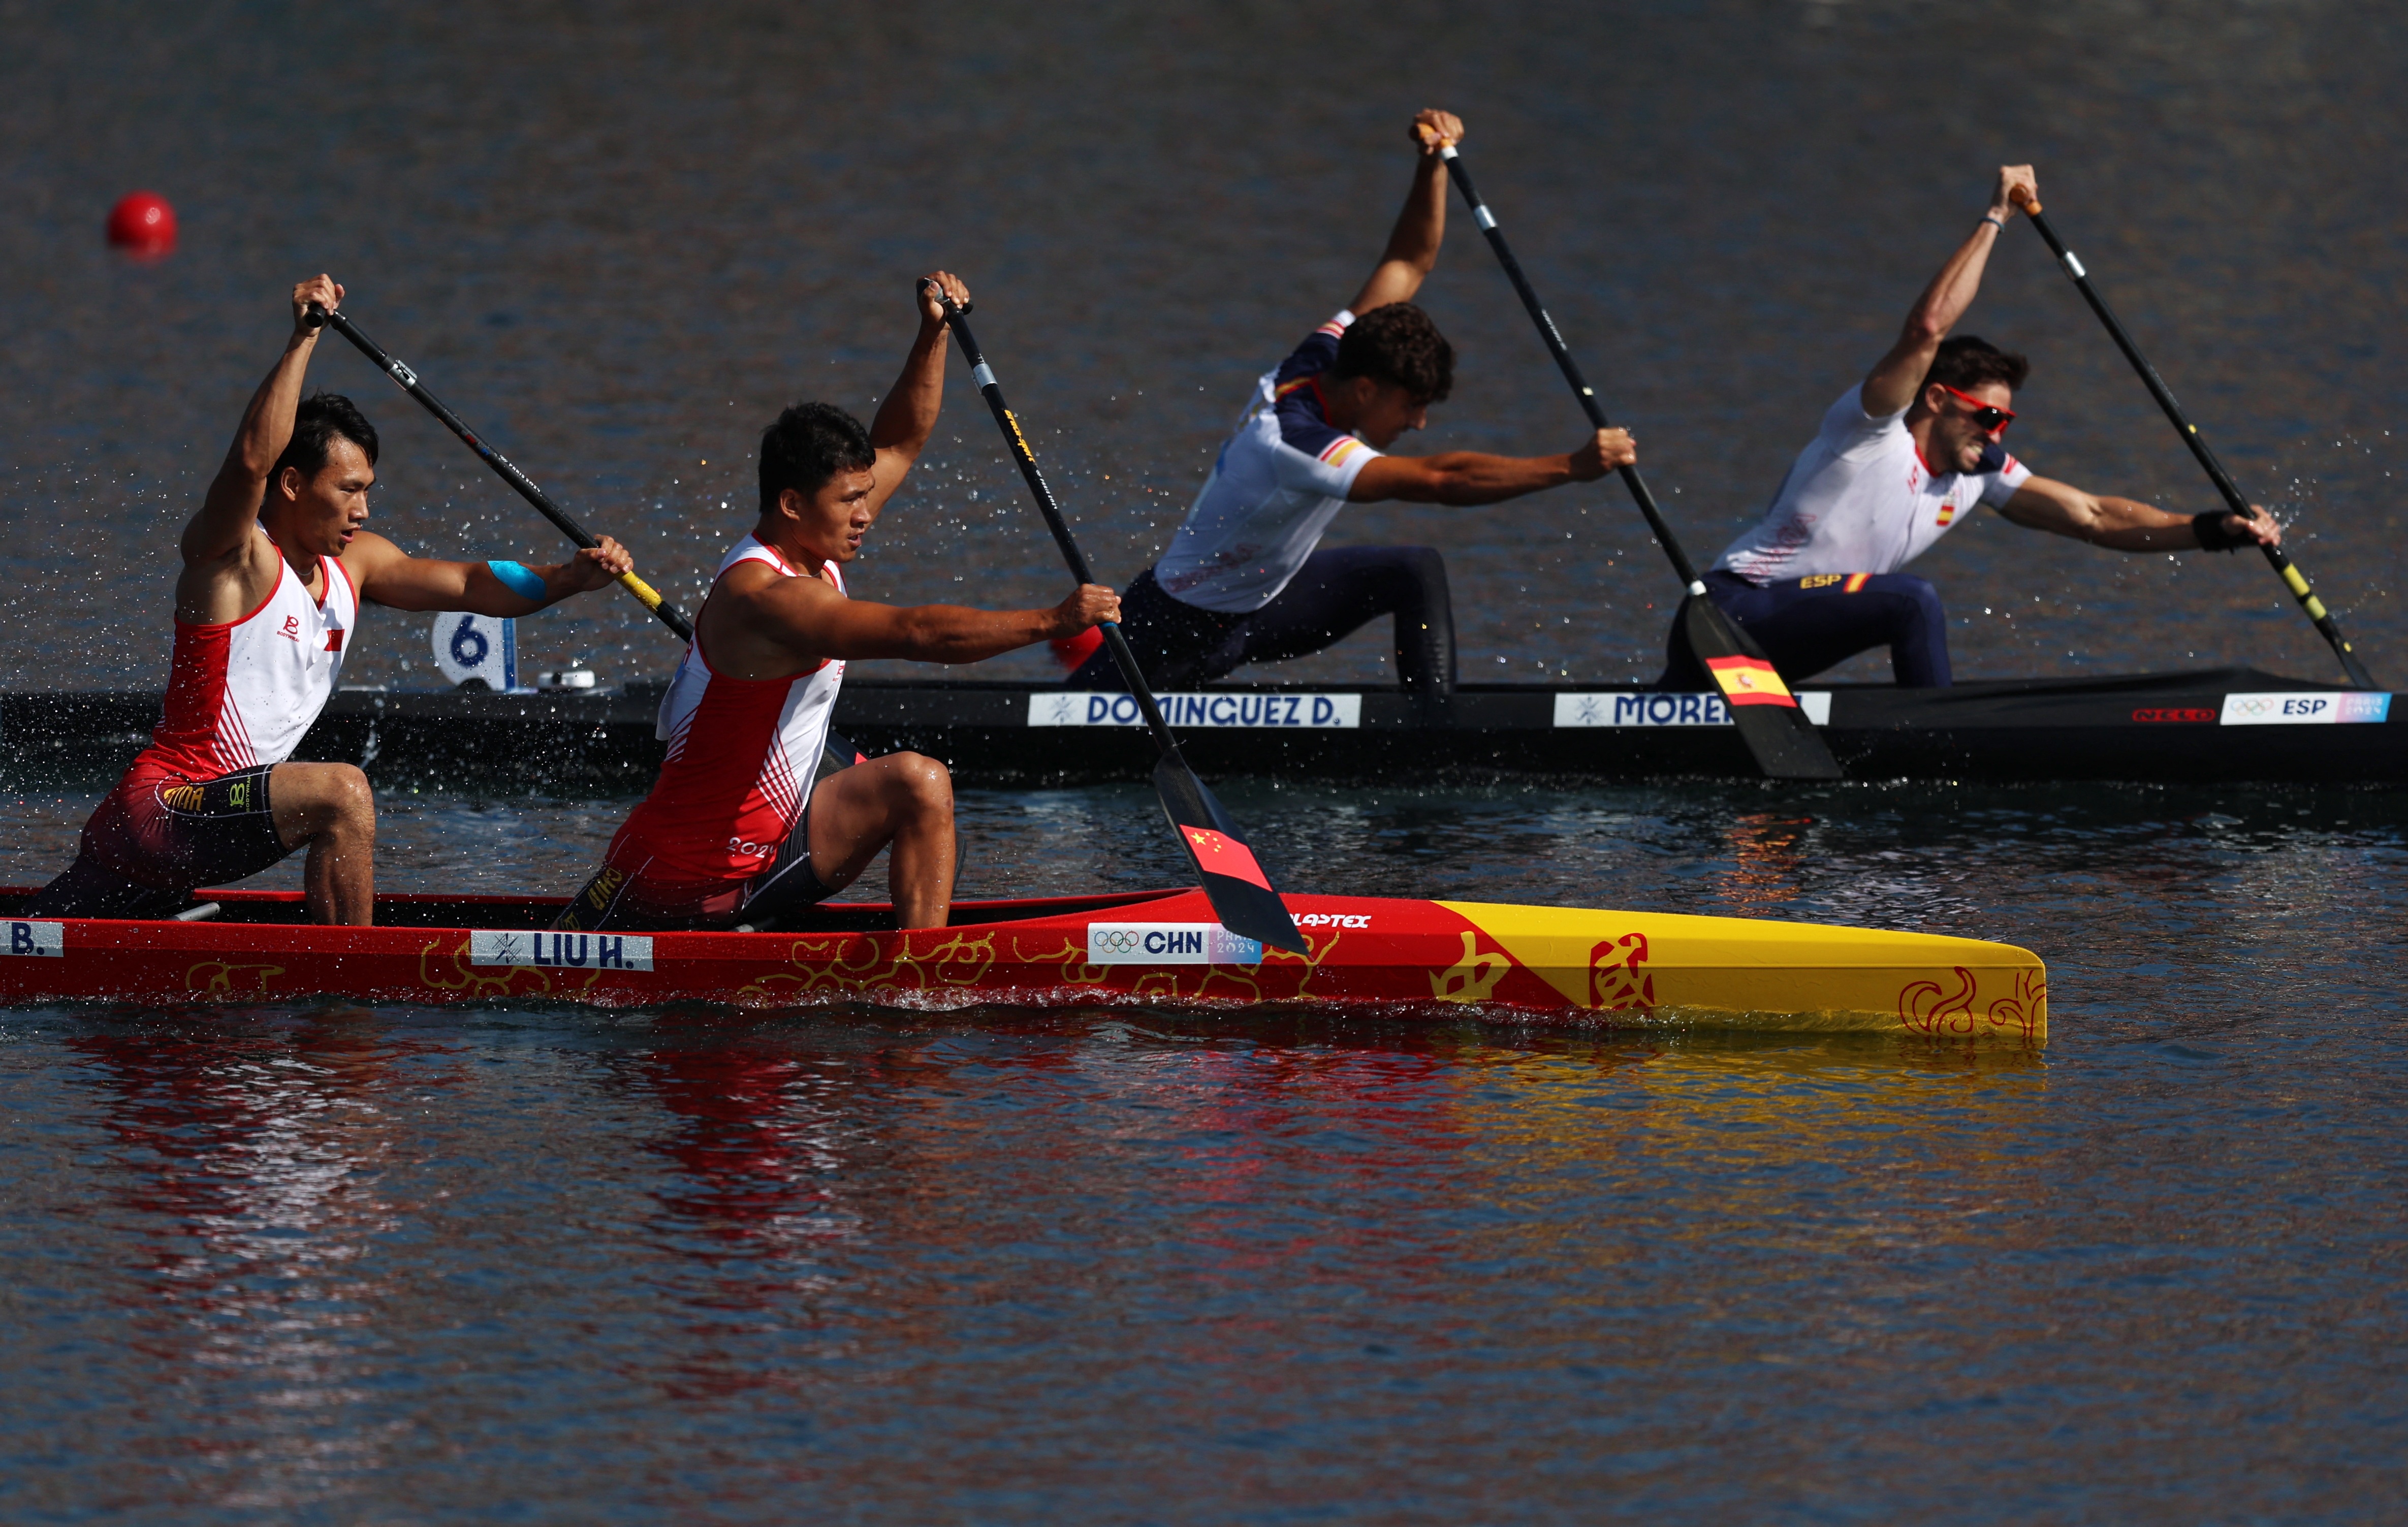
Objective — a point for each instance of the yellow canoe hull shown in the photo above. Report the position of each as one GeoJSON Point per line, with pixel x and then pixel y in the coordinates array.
{"type": "Point", "coordinates": [1753, 973]}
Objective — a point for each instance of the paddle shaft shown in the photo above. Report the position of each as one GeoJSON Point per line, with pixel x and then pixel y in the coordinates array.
{"type": "Point", "coordinates": [511, 473]}
{"type": "Point", "coordinates": [993, 391]}
{"type": "Point", "coordinates": [1686, 570]}
{"type": "Point", "coordinates": [1784, 744]}
{"type": "Point", "coordinates": [2292, 578]}
{"type": "Point", "coordinates": [1241, 893]}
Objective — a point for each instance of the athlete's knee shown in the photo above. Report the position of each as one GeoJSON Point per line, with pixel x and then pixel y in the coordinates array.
{"type": "Point", "coordinates": [328, 799]}
{"type": "Point", "coordinates": [1927, 600]}
{"type": "Point", "coordinates": [349, 798]}
{"type": "Point", "coordinates": [1424, 562]}
{"type": "Point", "coordinates": [921, 785]}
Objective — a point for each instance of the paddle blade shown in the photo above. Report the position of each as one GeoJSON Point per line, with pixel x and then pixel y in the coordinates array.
{"type": "Point", "coordinates": [1784, 742]}
{"type": "Point", "coordinates": [1241, 892]}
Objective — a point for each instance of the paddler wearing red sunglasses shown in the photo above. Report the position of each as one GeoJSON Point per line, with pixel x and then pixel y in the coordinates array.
{"type": "Point", "coordinates": [1901, 460]}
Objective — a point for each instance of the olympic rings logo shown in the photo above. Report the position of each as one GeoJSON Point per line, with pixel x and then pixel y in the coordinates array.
{"type": "Point", "coordinates": [1113, 940]}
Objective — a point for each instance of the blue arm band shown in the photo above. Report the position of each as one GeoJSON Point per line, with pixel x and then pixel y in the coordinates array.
{"type": "Point", "coordinates": [521, 579]}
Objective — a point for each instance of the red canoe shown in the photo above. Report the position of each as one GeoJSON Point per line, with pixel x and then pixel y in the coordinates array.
{"type": "Point", "coordinates": [1366, 953]}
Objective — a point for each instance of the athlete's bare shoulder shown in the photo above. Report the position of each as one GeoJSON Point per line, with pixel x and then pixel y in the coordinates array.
{"type": "Point", "coordinates": [368, 554]}
{"type": "Point", "coordinates": [761, 622]}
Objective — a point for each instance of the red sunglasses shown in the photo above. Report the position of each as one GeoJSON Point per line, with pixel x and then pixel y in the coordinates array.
{"type": "Point", "coordinates": [1988, 417]}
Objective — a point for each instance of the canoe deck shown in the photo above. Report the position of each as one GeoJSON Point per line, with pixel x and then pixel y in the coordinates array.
{"type": "Point", "coordinates": [2223, 725]}
{"type": "Point", "coordinates": [1446, 960]}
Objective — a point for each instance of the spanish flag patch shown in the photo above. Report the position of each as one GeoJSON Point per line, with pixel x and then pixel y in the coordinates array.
{"type": "Point", "coordinates": [1750, 682]}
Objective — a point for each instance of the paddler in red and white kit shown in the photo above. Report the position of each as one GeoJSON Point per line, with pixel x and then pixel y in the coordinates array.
{"type": "Point", "coordinates": [274, 567]}
{"type": "Point", "coordinates": [1899, 461]}
{"type": "Point", "coordinates": [746, 823]}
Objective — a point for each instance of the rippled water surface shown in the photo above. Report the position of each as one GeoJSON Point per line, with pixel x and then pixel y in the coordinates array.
{"type": "Point", "coordinates": [403, 1264]}
{"type": "Point", "coordinates": [327, 1263]}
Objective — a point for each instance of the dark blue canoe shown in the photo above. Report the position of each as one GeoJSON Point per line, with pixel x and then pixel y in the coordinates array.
{"type": "Point", "coordinates": [2219, 724]}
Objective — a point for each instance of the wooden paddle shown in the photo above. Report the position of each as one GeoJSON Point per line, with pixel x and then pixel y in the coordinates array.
{"type": "Point", "coordinates": [2292, 578]}
{"type": "Point", "coordinates": [1776, 731]}
{"type": "Point", "coordinates": [499, 462]}
{"type": "Point", "coordinates": [1241, 892]}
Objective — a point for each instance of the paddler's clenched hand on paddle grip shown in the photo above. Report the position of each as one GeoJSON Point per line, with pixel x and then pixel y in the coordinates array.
{"type": "Point", "coordinates": [1090, 605]}
{"type": "Point", "coordinates": [319, 291]}
{"type": "Point", "coordinates": [1433, 130]}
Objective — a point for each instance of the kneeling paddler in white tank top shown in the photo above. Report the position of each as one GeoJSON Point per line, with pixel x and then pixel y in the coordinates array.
{"type": "Point", "coordinates": [276, 564]}
{"type": "Point", "coordinates": [735, 808]}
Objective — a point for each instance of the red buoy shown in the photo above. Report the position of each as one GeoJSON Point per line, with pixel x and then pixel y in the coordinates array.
{"type": "Point", "coordinates": [143, 223]}
{"type": "Point", "coordinates": [1070, 652]}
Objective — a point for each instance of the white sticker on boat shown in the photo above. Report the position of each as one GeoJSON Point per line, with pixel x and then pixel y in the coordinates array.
{"type": "Point", "coordinates": [1082, 708]}
{"type": "Point", "coordinates": [560, 951]}
{"type": "Point", "coordinates": [1169, 943]}
{"type": "Point", "coordinates": [37, 938]}
{"type": "Point", "coordinates": [2314, 708]}
{"type": "Point", "coordinates": [1647, 708]}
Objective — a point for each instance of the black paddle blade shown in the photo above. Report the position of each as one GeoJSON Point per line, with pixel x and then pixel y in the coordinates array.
{"type": "Point", "coordinates": [1784, 742]}
{"type": "Point", "coordinates": [1241, 892]}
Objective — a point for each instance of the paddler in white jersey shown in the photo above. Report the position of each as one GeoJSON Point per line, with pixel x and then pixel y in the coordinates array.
{"type": "Point", "coordinates": [274, 567]}
{"type": "Point", "coordinates": [755, 817]}
{"type": "Point", "coordinates": [1246, 579]}
{"type": "Point", "coordinates": [1899, 461]}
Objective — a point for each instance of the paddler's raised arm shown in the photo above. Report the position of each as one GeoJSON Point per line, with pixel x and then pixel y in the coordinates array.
{"type": "Point", "coordinates": [1412, 247]}
{"type": "Point", "coordinates": [905, 420]}
{"type": "Point", "coordinates": [1892, 386]}
{"type": "Point", "coordinates": [222, 530]}
{"type": "Point", "coordinates": [388, 576]}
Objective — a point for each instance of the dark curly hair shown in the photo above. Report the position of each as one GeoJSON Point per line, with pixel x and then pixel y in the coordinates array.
{"type": "Point", "coordinates": [1969, 361]}
{"type": "Point", "coordinates": [810, 443]}
{"type": "Point", "coordinates": [1400, 344]}
{"type": "Point", "coordinates": [318, 423]}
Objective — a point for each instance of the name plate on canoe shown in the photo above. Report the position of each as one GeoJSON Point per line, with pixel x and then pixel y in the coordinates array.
{"type": "Point", "coordinates": [1648, 707]}
{"type": "Point", "coordinates": [2308, 707]}
{"type": "Point", "coordinates": [560, 951]}
{"type": "Point", "coordinates": [1169, 943]}
{"type": "Point", "coordinates": [1085, 707]}
{"type": "Point", "coordinates": [36, 938]}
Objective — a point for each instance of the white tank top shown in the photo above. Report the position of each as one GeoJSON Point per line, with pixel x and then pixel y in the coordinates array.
{"type": "Point", "coordinates": [742, 754]}
{"type": "Point", "coordinates": [242, 693]}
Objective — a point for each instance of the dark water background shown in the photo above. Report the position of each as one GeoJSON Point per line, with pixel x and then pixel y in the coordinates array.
{"type": "Point", "coordinates": [325, 1264]}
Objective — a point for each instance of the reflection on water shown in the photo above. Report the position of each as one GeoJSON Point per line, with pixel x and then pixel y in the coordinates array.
{"type": "Point", "coordinates": [754, 1216]}
{"type": "Point", "coordinates": [687, 1264]}
{"type": "Point", "coordinates": [244, 1179]}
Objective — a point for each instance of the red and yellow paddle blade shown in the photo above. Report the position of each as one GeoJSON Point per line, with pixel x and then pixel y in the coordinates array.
{"type": "Point", "coordinates": [1776, 731]}
{"type": "Point", "coordinates": [1750, 682]}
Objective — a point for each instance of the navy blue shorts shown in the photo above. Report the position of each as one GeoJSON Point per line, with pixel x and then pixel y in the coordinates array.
{"type": "Point", "coordinates": [1807, 624]}
{"type": "Point", "coordinates": [1338, 590]}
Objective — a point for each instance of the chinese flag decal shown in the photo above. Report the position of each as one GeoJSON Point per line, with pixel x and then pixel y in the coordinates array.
{"type": "Point", "coordinates": [1224, 855]}
{"type": "Point", "coordinates": [1750, 682]}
